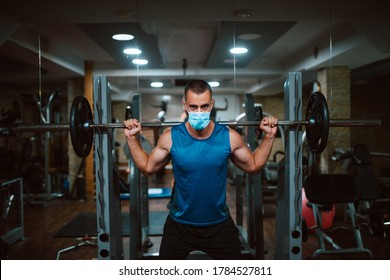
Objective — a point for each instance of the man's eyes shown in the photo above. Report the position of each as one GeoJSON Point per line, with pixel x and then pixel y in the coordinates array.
{"type": "Point", "coordinates": [203, 107]}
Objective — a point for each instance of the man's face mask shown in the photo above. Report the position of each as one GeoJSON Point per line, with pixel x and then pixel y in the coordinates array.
{"type": "Point", "coordinates": [199, 120]}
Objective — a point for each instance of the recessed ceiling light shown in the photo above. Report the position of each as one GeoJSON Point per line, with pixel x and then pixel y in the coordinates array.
{"type": "Point", "coordinates": [157, 84]}
{"type": "Point", "coordinates": [125, 13]}
{"type": "Point", "coordinates": [214, 84]}
{"type": "Point", "coordinates": [238, 50]}
{"type": "Point", "coordinates": [123, 37]}
{"type": "Point", "coordinates": [243, 13]}
{"type": "Point", "coordinates": [140, 61]}
{"type": "Point", "coordinates": [132, 51]}
{"type": "Point", "coordinates": [249, 36]}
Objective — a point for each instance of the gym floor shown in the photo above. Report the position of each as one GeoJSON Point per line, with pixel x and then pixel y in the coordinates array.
{"type": "Point", "coordinates": [42, 221]}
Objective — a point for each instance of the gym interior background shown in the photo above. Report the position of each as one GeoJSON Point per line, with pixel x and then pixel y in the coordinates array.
{"type": "Point", "coordinates": [50, 50]}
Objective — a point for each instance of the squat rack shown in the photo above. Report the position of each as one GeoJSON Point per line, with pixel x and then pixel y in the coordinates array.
{"type": "Point", "coordinates": [109, 226]}
{"type": "Point", "coordinates": [288, 219]}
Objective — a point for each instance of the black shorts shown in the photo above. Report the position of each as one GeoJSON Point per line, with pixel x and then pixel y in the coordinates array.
{"type": "Point", "coordinates": [219, 241]}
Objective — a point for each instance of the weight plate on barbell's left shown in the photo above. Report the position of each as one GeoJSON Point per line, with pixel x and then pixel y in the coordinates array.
{"type": "Point", "coordinates": [317, 132]}
{"type": "Point", "coordinates": [81, 133]}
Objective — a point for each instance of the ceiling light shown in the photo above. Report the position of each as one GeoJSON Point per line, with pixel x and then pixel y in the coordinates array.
{"type": "Point", "coordinates": [214, 84]}
{"type": "Point", "coordinates": [157, 84]}
{"type": "Point", "coordinates": [249, 36]}
{"type": "Point", "coordinates": [140, 61]}
{"type": "Point", "coordinates": [123, 37]}
{"type": "Point", "coordinates": [243, 13]}
{"type": "Point", "coordinates": [238, 50]}
{"type": "Point", "coordinates": [125, 13]}
{"type": "Point", "coordinates": [132, 51]}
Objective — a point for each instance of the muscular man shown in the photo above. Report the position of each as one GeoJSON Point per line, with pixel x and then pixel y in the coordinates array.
{"type": "Point", "coordinates": [199, 149]}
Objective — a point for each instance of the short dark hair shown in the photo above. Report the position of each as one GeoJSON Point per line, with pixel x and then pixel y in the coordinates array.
{"type": "Point", "coordinates": [198, 87]}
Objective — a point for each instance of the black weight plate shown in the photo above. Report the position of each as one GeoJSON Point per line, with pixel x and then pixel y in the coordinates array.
{"type": "Point", "coordinates": [317, 133]}
{"type": "Point", "coordinates": [80, 132]}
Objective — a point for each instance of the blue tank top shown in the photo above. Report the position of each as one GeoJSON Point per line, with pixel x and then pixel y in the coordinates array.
{"type": "Point", "coordinates": [200, 171]}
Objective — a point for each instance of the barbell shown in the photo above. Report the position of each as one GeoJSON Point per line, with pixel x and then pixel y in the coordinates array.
{"type": "Point", "coordinates": [82, 128]}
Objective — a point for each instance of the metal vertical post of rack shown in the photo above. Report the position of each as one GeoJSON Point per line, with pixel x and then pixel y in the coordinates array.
{"type": "Point", "coordinates": [253, 191]}
{"type": "Point", "coordinates": [108, 212]}
{"type": "Point", "coordinates": [136, 195]}
{"type": "Point", "coordinates": [289, 200]}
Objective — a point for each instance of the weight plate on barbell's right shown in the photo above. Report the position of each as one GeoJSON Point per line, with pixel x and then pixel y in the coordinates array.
{"type": "Point", "coordinates": [79, 120]}
{"type": "Point", "coordinates": [317, 133]}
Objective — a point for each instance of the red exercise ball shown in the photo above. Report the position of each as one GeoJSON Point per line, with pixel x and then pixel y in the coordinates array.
{"type": "Point", "coordinates": [308, 215]}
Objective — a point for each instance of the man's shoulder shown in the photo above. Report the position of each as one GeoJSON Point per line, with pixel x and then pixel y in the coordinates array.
{"type": "Point", "coordinates": [166, 132]}
{"type": "Point", "coordinates": [165, 139]}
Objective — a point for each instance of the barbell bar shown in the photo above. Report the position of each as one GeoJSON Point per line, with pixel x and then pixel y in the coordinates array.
{"type": "Point", "coordinates": [66, 127]}
{"type": "Point", "coordinates": [81, 127]}
{"type": "Point", "coordinates": [87, 126]}
{"type": "Point", "coordinates": [332, 123]}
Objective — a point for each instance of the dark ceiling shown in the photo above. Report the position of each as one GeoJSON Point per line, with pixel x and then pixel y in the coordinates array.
{"type": "Point", "coordinates": [186, 39]}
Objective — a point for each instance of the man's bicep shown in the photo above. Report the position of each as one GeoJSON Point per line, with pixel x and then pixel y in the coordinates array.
{"type": "Point", "coordinates": [241, 155]}
{"type": "Point", "coordinates": [159, 156]}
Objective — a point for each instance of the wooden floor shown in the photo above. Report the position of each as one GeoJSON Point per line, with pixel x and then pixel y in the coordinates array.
{"type": "Point", "coordinates": [42, 221]}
